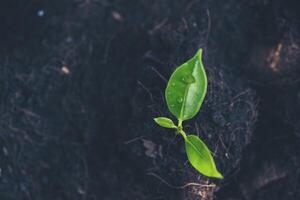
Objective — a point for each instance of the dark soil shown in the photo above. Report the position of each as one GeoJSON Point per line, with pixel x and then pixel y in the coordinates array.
{"type": "Point", "coordinates": [82, 80]}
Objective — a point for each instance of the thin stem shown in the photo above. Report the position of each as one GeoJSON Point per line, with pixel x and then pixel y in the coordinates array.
{"type": "Point", "coordinates": [182, 133]}
{"type": "Point", "coordinates": [180, 123]}
{"type": "Point", "coordinates": [180, 129]}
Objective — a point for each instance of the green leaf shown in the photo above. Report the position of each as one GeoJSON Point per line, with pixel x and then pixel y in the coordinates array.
{"type": "Point", "coordinates": [165, 122]}
{"type": "Point", "coordinates": [200, 157]}
{"type": "Point", "coordinates": [186, 88]}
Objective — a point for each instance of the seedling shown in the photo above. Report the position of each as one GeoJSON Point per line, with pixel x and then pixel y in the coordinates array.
{"type": "Point", "coordinates": [184, 94]}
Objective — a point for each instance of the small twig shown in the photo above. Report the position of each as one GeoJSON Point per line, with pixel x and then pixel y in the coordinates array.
{"type": "Point", "coordinates": [133, 140]}
{"type": "Point", "coordinates": [236, 98]}
{"type": "Point", "coordinates": [179, 187]}
{"type": "Point", "coordinates": [190, 5]}
{"type": "Point", "coordinates": [241, 94]}
{"type": "Point", "coordinates": [107, 48]}
{"type": "Point", "coordinates": [197, 129]}
{"type": "Point", "coordinates": [29, 113]}
{"type": "Point", "coordinates": [158, 26]}
{"type": "Point", "coordinates": [208, 26]}
{"type": "Point", "coordinates": [145, 88]}
{"type": "Point", "coordinates": [159, 74]}
{"type": "Point", "coordinates": [222, 143]}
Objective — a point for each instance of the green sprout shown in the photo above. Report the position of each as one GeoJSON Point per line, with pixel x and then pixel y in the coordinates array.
{"type": "Point", "coordinates": [184, 94]}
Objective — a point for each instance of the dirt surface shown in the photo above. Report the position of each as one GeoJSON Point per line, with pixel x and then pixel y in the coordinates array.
{"type": "Point", "coordinates": [81, 81]}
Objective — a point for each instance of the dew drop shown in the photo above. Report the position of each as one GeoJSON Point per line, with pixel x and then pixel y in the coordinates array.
{"type": "Point", "coordinates": [179, 100]}
{"type": "Point", "coordinates": [173, 84]}
{"type": "Point", "coordinates": [188, 79]}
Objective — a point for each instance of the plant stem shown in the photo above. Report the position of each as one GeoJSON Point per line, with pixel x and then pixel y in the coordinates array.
{"type": "Point", "coordinates": [182, 133]}
{"type": "Point", "coordinates": [180, 129]}
{"type": "Point", "coordinates": [180, 123]}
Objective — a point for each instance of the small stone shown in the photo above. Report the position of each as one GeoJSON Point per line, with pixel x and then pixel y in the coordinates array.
{"type": "Point", "coordinates": [117, 16]}
{"type": "Point", "coordinates": [65, 70]}
{"type": "Point", "coordinates": [40, 13]}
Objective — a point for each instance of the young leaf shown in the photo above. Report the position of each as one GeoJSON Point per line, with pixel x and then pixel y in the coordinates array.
{"type": "Point", "coordinates": [165, 122]}
{"type": "Point", "coordinates": [186, 88]}
{"type": "Point", "coordinates": [200, 157]}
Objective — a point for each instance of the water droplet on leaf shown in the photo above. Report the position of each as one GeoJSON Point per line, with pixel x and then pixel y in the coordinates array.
{"type": "Point", "coordinates": [179, 100]}
{"type": "Point", "coordinates": [188, 79]}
